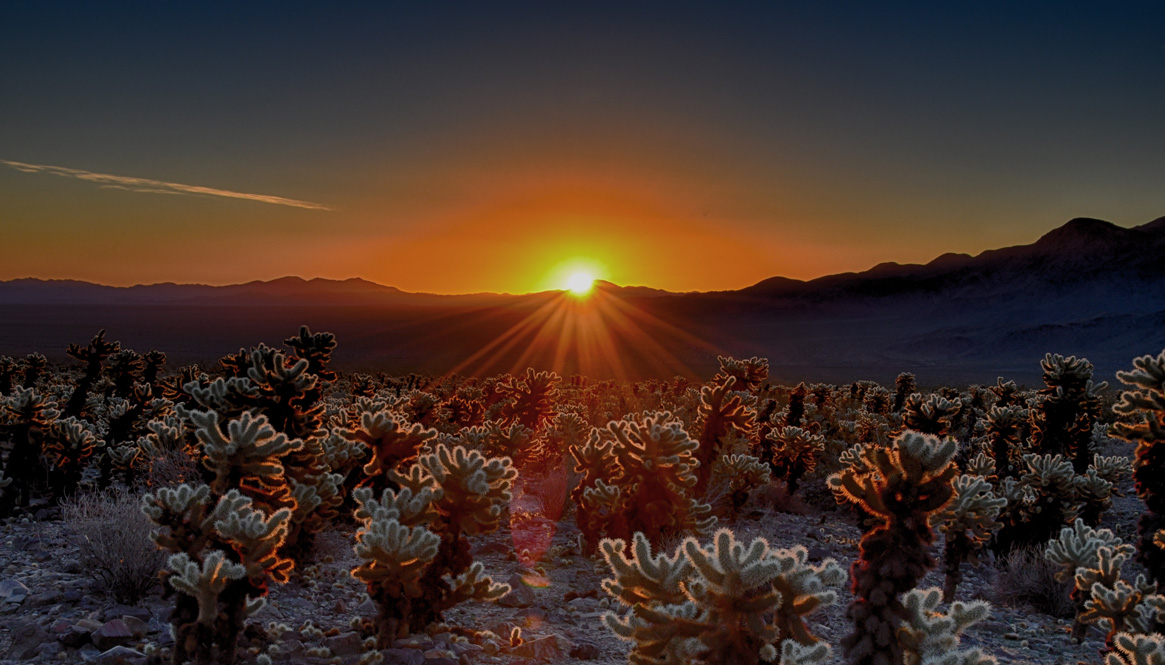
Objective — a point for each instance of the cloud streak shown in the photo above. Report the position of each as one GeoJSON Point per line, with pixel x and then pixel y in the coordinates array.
{"type": "Point", "coordinates": [148, 186]}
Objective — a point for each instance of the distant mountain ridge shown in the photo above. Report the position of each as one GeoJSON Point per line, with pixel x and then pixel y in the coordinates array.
{"type": "Point", "coordinates": [1088, 288]}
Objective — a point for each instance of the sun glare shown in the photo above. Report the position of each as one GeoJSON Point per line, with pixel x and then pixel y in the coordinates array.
{"type": "Point", "coordinates": [580, 283]}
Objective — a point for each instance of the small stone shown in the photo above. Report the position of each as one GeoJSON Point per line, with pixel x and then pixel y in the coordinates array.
{"type": "Point", "coordinates": [585, 651]}
{"type": "Point", "coordinates": [345, 644]}
{"type": "Point", "coordinates": [367, 608]}
{"type": "Point", "coordinates": [136, 626]}
{"type": "Point", "coordinates": [1011, 636]}
{"type": "Point", "coordinates": [520, 595]}
{"type": "Point", "coordinates": [13, 591]}
{"type": "Point", "coordinates": [111, 634]}
{"type": "Point", "coordinates": [76, 637]}
{"type": "Point", "coordinates": [122, 611]}
{"type": "Point", "coordinates": [550, 647]}
{"type": "Point", "coordinates": [27, 637]}
{"type": "Point", "coordinates": [404, 657]}
{"type": "Point", "coordinates": [121, 655]}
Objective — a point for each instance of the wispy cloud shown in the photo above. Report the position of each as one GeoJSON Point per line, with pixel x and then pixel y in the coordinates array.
{"type": "Point", "coordinates": [145, 185]}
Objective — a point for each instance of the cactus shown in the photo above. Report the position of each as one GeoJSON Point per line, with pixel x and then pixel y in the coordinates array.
{"type": "Point", "coordinates": [1131, 649]}
{"type": "Point", "coordinates": [1077, 548]}
{"type": "Point", "coordinates": [968, 522]}
{"type": "Point", "coordinates": [1052, 501]}
{"type": "Point", "coordinates": [391, 442]}
{"type": "Point", "coordinates": [27, 419]}
{"type": "Point", "coordinates": [718, 604]}
{"type": "Point", "coordinates": [929, 637]}
{"type": "Point", "coordinates": [794, 453]}
{"type": "Point", "coordinates": [1145, 406]}
{"type": "Point", "coordinates": [931, 415]}
{"type": "Point", "coordinates": [93, 355]}
{"type": "Point", "coordinates": [1062, 420]}
{"type": "Point", "coordinates": [901, 486]}
{"type": "Point", "coordinates": [529, 400]}
{"type": "Point", "coordinates": [744, 473]}
{"type": "Point", "coordinates": [68, 446]}
{"type": "Point", "coordinates": [417, 562]}
{"type": "Point", "coordinates": [1005, 426]}
{"type": "Point", "coordinates": [749, 373]}
{"type": "Point", "coordinates": [722, 413]}
{"type": "Point", "coordinates": [1115, 604]}
{"type": "Point", "coordinates": [904, 386]}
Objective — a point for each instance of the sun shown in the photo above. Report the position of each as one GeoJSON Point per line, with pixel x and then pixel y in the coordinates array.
{"type": "Point", "coordinates": [580, 283]}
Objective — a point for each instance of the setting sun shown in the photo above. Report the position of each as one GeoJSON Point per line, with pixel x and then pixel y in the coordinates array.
{"type": "Point", "coordinates": [580, 283]}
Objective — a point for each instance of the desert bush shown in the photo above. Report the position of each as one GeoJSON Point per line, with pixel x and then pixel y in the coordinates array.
{"type": "Point", "coordinates": [1025, 578]}
{"type": "Point", "coordinates": [114, 543]}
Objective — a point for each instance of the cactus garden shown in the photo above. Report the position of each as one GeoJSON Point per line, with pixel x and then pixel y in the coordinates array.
{"type": "Point", "coordinates": [270, 509]}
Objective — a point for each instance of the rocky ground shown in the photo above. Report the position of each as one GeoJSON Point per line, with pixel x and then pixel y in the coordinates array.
{"type": "Point", "coordinates": [50, 612]}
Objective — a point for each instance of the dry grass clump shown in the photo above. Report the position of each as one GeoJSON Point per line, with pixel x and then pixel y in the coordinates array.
{"type": "Point", "coordinates": [114, 542]}
{"type": "Point", "coordinates": [1025, 577]}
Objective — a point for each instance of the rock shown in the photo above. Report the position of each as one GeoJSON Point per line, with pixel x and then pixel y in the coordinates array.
{"type": "Point", "coordinates": [520, 595]}
{"type": "Point", "coordinates": [122, 611]}
{"type": "Point", "coordinates": [367, 608]}
{"type": "Point", "coordinates": [585, 651]}
{"type": "Point", "coordinates": [136, 626]}
{"type": "Point", "coordinates": [345, 644]}
{"type": "Point", "coordinates": [111, 634]}
{"type": "Point", "coordinates": [50, 650]}
{"type": "Point", "coordinates": [121, 655]}
{"type": "Point", "coordinates": [76, 637]}
{"type": "Point", "coordinates": [27, 637]}
{"type": "Point", "coordinates": [72, 567]}
{"type": "Point", "coordinates": [550, 647]}
{"type": "Point", "coordinates": [13, 591]}
{"type": "Point", "coordinates": [403, 657]}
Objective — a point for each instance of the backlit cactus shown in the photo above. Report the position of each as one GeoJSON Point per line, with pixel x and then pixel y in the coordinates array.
{"type": "Point", "coordinates": [718, 604]}
{"type": "Point", "coordinates": [968, 522]}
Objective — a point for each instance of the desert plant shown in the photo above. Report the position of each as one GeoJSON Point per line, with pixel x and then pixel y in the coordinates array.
{"type": "Point", "coordinates": [27, 419]}
{"type": "Point", "coordinates": [930, 415]}
{"type": "Point", "coordinates": [744, 473]}
{"type": "Point", "coordinates": [904, 386]}
{"type": "Point", "coordinates": [1025, 577]}
{"type": "Point", "coordinates": [649, 485]}
{"type": "Point", "coordinates": [391, 442]}
{"type": "Point", "coordinates": [529, 400]}
{"type": "Point", "coordinates": [114, 544]}
{"type": "Point", "coordinates": [416, 559]}
{"type": "Point", "coordinates": [1077, 548]}
{"type": "Point", "coordinates": [721, 603]}
{"type": "Point", "coordinates": [1131, 649]}
{"type": "Point", "coordinates": [1005, 426]}
{"type": "Point", "coordinates": [67, 447]}
{"type": "Point", "coordinates": [794, 453]}
{"type": "Point", "coordinates": [1052, 501]}
{"type": "Point", "coordinates": [968, 522]}
{"type": "Point", "coordinates": [1145, 406]}
{"type": "Point", "coordinates": [930, 637]}
{"type": "Point", "coordinates": [1062, 419]}
{"type": "Point", "coordinates": [722, 413]}
{"type": "Point", "coordinates": [749, 373]}
{"type": "Point", "coordinates": [901, 485]}
{"type": "Point", "coordinates": [93, 355]}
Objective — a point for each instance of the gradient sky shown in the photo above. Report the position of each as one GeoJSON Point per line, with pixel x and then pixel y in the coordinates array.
{"type": "Point", "coordinates": [463, 147]}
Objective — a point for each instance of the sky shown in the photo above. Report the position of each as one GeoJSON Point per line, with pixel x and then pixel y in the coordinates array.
{"type": "Point", "coordinates": [493, 146]}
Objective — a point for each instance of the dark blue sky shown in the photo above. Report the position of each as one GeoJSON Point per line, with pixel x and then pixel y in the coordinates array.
{"type": "Point", "coordinates": [806, 139]}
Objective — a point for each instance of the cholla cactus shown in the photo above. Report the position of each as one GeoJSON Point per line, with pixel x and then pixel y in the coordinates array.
{"type": "Point", "coordinates": [794, 453]}
{"type": "Point", "coordinates": [246, 457]}
{"type": "Point", "coordinates": [1077, 548]}
{"type": "Point", "coordinates": [222, 560]}
{"type": "Point", "coordinates": [1052, 501]}
{"type": "Point", "coordinates": [749, 373]}
{"type": "Point", "coordinates": [68, 446]}
{"type": "Point", "coordinates": [530, 399]}
{"type": "Point", "coordinates": [413, 541]}
{"type": "Point", "coordinates": [931, 415]}
{"type": "Point", "coordinates": [1005, 427]}
{"type": "Point", "coordinates": [1145, 406]}
{"type": "Point", "coordinates": [27, 418]}
{"type": "Point", "coordinates": [93, 355]}
{"type": "Point", "coordinates": [1062, 421]}
{"type": "Point", "coordinates": [719, 604]}
{"type": "Point", "coordinates": [650, 485]}
{"type": "Point", "coordinates": [904, 386]}
{"type": "Point", "coordinates": [391, 441]}
{"type": "Point", "coordinates": [929, 637]}
{"type": "Point", "coordinates": [901, 486]}
{"type": "Point", "coordinates": [968, 522]}
{"type": "Point", "coordinates": [1134, 649]}
{"type": "Point", "coordinates": [1115, 604]}
{"type": "Point", "coordinates": [594, 460]}
{"type": "Point", "coordinates": [744, 473]}
{"type": "Point", "coordinates": [722, 413]}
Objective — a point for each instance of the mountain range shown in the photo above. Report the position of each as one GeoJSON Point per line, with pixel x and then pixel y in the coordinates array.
{"type": "Point", "coordinates": [1088, 288]}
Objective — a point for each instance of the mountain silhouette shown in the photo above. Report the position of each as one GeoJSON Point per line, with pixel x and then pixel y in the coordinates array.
{"type": "Point", "coordinates": [1088, 288]}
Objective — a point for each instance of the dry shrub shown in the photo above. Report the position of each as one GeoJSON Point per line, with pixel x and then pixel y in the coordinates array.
{"type": "Point", "coordinates": [775, 497]}
{"type": "Point", "coordinates": [170, 469]}
{"type": "Point", "coordinates": [1025, 577]}
{"type": "Point", "coordinates": [114, 541]}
